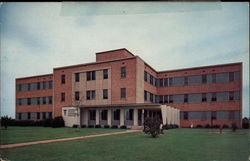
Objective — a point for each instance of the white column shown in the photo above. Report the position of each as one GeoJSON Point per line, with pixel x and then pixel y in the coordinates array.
{"type": "Point", "coordinates": [135, 117]}
{"type": "Point", "coordinates": [122, 117]}
{"type": "Point", "coordinates": [79, 116]}
{"type": "Point", "coordinates": [109, 116]}
{"type": "Point", "coordinates": [142, 117]}
{"type": "Point", "coordinates": [85, 117]}
{"type": "Point", "coordinates": [97, 117]}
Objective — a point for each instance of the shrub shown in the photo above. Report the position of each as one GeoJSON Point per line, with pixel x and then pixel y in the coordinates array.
{"type": "Point", "coordinates": [245, 123]}
{"type": "Point", "coordinates": [97, 126]}
{"type": "Point", "coordinates": [5, 121]}
{"type": "Point", "coordinates": [106, 126]}
{"type": "Point", "coordinates": [234, 126]}
{"type": "Point", "coordinates": [47, 122]}
{"type": "Point", "coordinates": [57, 122]}
{"type": "Point", "coordinates": [152, 127]}
{"type": "Point", "coordinates": [123, 127]}
{"type": "Point", "coordinates": [207, 126]}
{"type": "Point", "coordinates": [225, 126]}
{"type": "Point", "coordinates": [83, 126]}
{"type": "Point", "coordinates": [90, 126]}
{"type": "Point", "coordinates": [216, 126]}
{"type": "Point", "coordinates": [199, 126]}
{"type": "Point", "coordinates": [114, 126]}
{"type": "Point", "coordinates": [75, 126]}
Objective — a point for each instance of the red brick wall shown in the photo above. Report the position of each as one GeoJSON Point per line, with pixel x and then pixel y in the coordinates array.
{"type": "Point", "coordinates": [112, 55]}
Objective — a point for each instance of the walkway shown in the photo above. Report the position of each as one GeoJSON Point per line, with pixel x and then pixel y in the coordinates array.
{"type": "Point", "coordinates": [65, 139]}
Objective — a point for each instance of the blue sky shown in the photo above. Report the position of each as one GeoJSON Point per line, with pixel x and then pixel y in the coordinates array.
{"type": "Point", "coordinates": [36, 37]}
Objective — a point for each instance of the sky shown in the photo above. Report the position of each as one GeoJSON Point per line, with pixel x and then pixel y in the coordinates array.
{"type": "Point", "coordinates": [37, 37]}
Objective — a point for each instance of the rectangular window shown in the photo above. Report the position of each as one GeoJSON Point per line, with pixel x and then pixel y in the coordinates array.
{"type": "Point", "coordinates": [44, 115]}
{"type": "Point", "coordinates": [123, 72]}
{"type": "Point", "coordinates": [165, 82]}
{"type": "Point", "coordinates": [90, 75]}
{"type": "Point", "coordinates": [44, 100]}
{"type": "Point", "coordinates": [50, 115]}
{"type": "Point", "coordinates": [222, 77]}
{"type": "Point", "coordinates": [231, 76]}
{"type": "Point", "coordinates": [90, 95]}
{"type": "Point", "coordinates": [204, 97]}
{"type": "Point", "coordinates": [170, 98]}
{"type": "Point", "coordinates": [62, 97]}
{"type": "Point", "coordinates": [145, 76]}
{"type": "Point", "coordinates": [145, 95]}
{"type": "Point", "coordinates": [166, 99]}
{"type": "Point", "coordinates": [161, 82]}
{"type": "Point", "coordinates": [19, 116]}
{"type": "Point", "coordinates": [77, 97]}
{"type": "Point", "coordinates": [231, 96]}
{"type": "Point", "coordinates": [28, 86]}
{"type": "Point", "coordinates": [28, 115]}
{"type": "Point", "coordinates": [28, 101]}
{"type": "Point", "coordinates": [213, 115]}
{"type": "Point", "coordinates": [38, 115]}
{"type": "Point", "coordinates": [185, 115]}
{"type": "Point", "coordinates": [63, 79]}
{"type": "Point", "coordinates": [204, 79]}
{"type": "Point", "coordinates": [151, 97]}
{"type": "Point", "coordinates": [92, 114]}
{"type": "Point", "coordinates": [19, 87]}
{"type": "Point", "coordinates": [185, 80]}
{"type": "Point", "coordinates": [105, 74]}
{"type": "Point", "coordinates": [38, 100]}
{"type": "Point", "coordinates": [77, 77]}
{"type": "Point", "coordinates": [104, 114]}
{"type": "Point", "coordinates": [44, 85]}
{"type": "Point", "coordinates": [116, 114]}
{"type": "Point", "coordinates": [105, 93]}
{"type": "Point", "coordinates": [170, 81]}
{"type": "Point", "coordinates": [151, 79]}
{"type": "Point", "coordinates": [38, 85]}
{"type": "Point", "coordinates": [50, 99]}
{"type": "Point", "coordinates": [214, 98]}
{"type": "Point", "coordinates": [185, 97]}
{"type": "Point", "coordinates": [50, 84]}
{"type": "Point", "coordinates": [123, 92]}
{"type": "Point", "coordinates": [213, 78]}
{"type": "Point", "coordinates": [161, 99]}
{"type": "Point", "coordinates": [178, 81]}
{"type": "Point", "coordinates": [19, 101]}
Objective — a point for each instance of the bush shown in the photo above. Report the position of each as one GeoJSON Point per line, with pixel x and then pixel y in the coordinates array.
{"type": "Point", "coordinates": [152, 127]}
{"type": "Point", "coordinates": [97, 126]}
{"type": "Point", "coordinates": [114, 126]}
{"type": "Point", "coordinates": [75, 126]}
{"type": "Point", "coordinates": [47, 122]}
{"type": "Point", "coordinates": [216, 126]}
{"type": "Point", "coordinates": [207, 126]}
{"type": "Point", "coordinates": [83, 126]}
{"type": "Point", "coordinates": [234, 126]}
{"type": "Point", "coordinates": [225, 126]}
{"type": "Point", "coordinates": [123, 127]}
{"type": "Point", "coordinates": [245, 123]}
{"type": "Point", "coordinates": [57, 122]}
{"type": "Point", "coordinates": [90, 126]}
{"type": "Point", "coordinates": [106, 126]}
{"type": "Point", "coordinates": [199, 126]}
{"type": "Point", "coordinates": [5, 121]}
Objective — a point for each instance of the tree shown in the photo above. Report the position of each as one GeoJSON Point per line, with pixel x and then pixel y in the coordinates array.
{"type": "Point", "coordinates": [5, 121]}
{"type": "Point", "coordinates": [152, 126]}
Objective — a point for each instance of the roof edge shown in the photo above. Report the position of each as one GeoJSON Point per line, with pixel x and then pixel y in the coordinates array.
{"type": "Point", "coordinates": [51, 74]}
{"type": "Point", "coordinates": [103, 52]}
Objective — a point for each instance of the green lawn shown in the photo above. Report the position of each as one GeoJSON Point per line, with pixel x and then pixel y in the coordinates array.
{"type": "Point", "coordinates": [174, 145]}
{"type": "Point", "coordinates": [27, 134]}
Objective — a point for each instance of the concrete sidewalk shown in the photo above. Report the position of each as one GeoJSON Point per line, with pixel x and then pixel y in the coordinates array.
{"type": "Point", "coordinates": [65, 139]}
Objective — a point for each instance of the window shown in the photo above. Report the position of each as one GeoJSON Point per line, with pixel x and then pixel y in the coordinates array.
{"type": "Point", "coordinates": [77, 96]}
{"type": "Point", "coordinates": [151, 80]}
{"type": "Point", "coordinates": [204, 78]}
{"type": "Point", "coordinates": [63, 79]}
{"type": "Point", "coordinates": [185, 115]}
{"type": "Point", "coordinates": [38, 100]}
{"type": "Point", "coordinates": [44, 100]}
{"type": "Point", "coordinates": [123, 92]}
{"type": "Point", "coordinates": [222, 77]}
{"type": "Point", "coordinates": [50, 99]}
{"type": "Point", "coordinates": [161, 99]}
{"type": "Point", "coordinates": [151, 97]}
{"type": "Point", "coordinates": [92, 114]}
{"type": "Point", "coordinates": [214, 97]}
{"type": "Point", "coordinates": [145, 76]}
{"type": "Point", "coordinates": [38, 85]}
{"type": "Point", "coordinates": [38, 115]}
{"type": "Point", "coordinates": [170, 81]}
{"type": "Point", "coordinates": [145, 95]}
{"type": "Point", "coordinates": [44, 85]}
{"type": "Point", "coordinates": [116, 114]}
{"type": "Point", "coordinates": [185, 97]}
{"type": "Point", "coordinates": [28, 86]}
{"type": "Point", "coordinates": [64, 112]}
{"type": "Point", "coordinates": [185, 80]}
{"type": "Point", "coordinates": [204, 97]}
{"type": "Point", "coordinates": [170, 98]}
{"type": "Point", "coordinates": [28, 115]}
{"type": "Point", "coordinates": [231, 76]}
{"type": "Point", "coordinates": [178, 81]}
{"type": "Point", "coordinates": [28, 101]}
{"type": "Point", "coordinates": [213, 115]}
{"type": "Point", "coordinates": [105, 93]}
{"type": "Point", "coordinates": [19, 116]}
{"type": "Point", "coordinates": [19, 87]}
{"type": "Point", "coordinates": [104, 114]}
{"type": "Point", "coordinates": [62, 97]}
{"type": "Point", "coordinates": [165, 82]}
{"type": "Point", "coordinates": [90, 95]}
{"type": "Point", "coordinates": [90, 75]}
{"type": "Point", "coordinates": [123, 72]}
{"type": "Point", "coordinates": [77, 77]}
{"type": "Point", "coordinates": [166, 99]}
{"type": "Point", "coordinates": [231, 96]}
{"type": "Point", "coordinates": [105, 74]}
{"type": "Point", "coordinates": [213, 78]}
{"type": "Point", "coordinates": [129, 114]}
{"type": "Point", "coordinates": [161, 82]}
{"type": "Point", "coordinates": [50, 115]}
{"type": "Point", "coordinates": [44, 115]}
{"type": "Point", "coordinates": [19, 101]}
{"type": "Point", "coordinates": [50, 84]}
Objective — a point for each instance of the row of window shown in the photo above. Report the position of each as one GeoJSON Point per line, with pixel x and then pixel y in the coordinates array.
{"type": "Point", "coordinates": [196, 97]}
{"type": "Point", "coordinates": [191, 80]}
{"type": "Point", "coordinates": [210, 115]}
{"type": "Point", "coordinates": [35, 86]}
{"type": "Point", "coordinates": [34, 101]}
{"type": "Point", "coordinates": [34, 115]}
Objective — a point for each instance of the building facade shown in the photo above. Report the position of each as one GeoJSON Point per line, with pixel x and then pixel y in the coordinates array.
{"type": "Point", "coordinates": [121, 89]}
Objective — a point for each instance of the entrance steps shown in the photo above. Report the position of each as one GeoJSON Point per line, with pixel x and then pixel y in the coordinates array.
{"type": "Point", "coordinates": [136, 127]}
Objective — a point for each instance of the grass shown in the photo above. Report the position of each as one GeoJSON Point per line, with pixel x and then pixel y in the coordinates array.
{"type": "Point", "coordinates": [174, 145]}
{"type": "Point", "coordinates": [28, 134]}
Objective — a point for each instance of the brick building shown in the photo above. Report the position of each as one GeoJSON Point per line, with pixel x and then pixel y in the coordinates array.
{"type": "Point", "coordinates": [121, 89]}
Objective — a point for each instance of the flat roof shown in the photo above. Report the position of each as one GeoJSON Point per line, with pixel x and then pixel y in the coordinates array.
{"type": "Point", "coordinates": [119, 105]}
{"type": "Point", "coordinates": [103, 52]}
{"type": "Point", "coordinates": [35, 76]}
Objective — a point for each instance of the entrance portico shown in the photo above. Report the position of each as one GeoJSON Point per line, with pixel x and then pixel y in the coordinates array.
{"type": "Point", "coordinates": [130, 115]}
